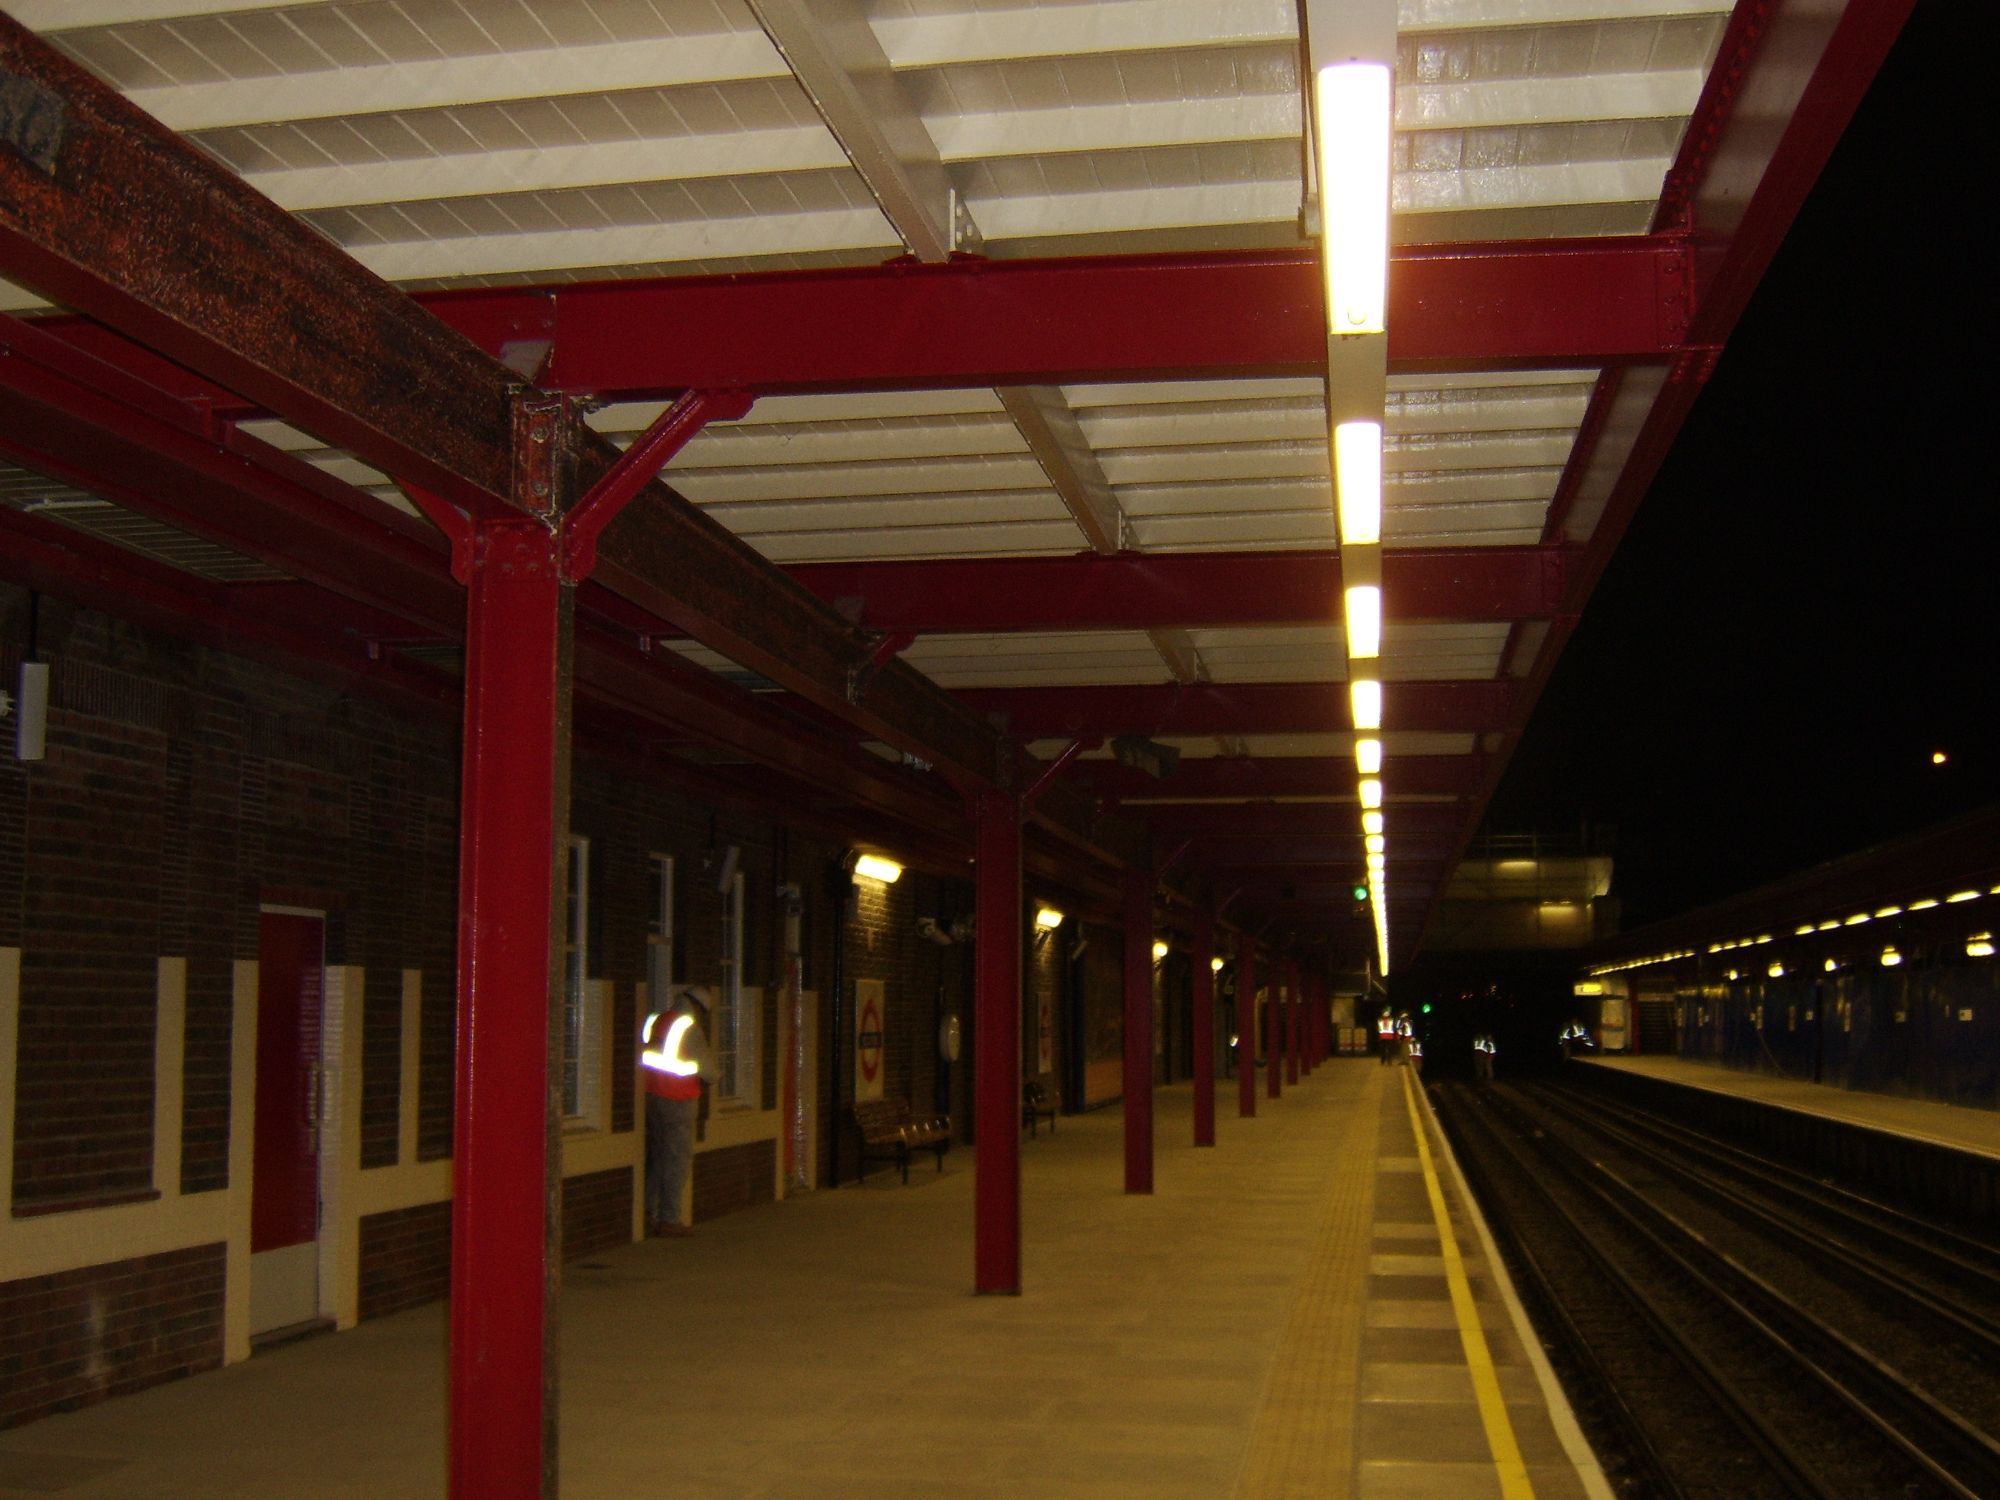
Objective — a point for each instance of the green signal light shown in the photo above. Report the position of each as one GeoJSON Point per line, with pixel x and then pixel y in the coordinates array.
{"type": "Point", "coordinates": [1427, 1010]}
{"type": "Point", "coordinates": [1361, 893]}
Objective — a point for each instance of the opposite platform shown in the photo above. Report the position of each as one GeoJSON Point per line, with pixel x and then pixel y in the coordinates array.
{"type": "Point", "coordinates": [1282, 1317]}
{"type": "Point", "coordinates": [1950, 1125]}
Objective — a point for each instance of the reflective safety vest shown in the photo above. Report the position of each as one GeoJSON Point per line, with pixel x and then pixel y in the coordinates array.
{"type": "Point", "coordinates": [669, 1073]}
{"type": "Point", "coordinates": [1385, 1026]}
{"type": "Point", "coordinates": [1483, 1044]}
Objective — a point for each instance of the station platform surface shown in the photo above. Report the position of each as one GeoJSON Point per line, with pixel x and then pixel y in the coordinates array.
{"type": "Point", "coordinates": [1307, 1309]}
{"type": "Point", "coordinates": [1962, 1129]}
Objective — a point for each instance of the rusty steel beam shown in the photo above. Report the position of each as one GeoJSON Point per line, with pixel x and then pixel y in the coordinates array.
{"type": "Point", "coordinates": [108, 212]}
{"type": "Point", "coordinates": [104, 210]}
{"type": "Point", "coordinates": [367, 568]}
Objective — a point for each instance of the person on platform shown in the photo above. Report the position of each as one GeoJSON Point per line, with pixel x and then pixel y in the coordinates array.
{"type": "Point", "coordinates": [1574, 1036]}
{"type": "Point", "coordinates": [1482, 1057]}
{"type": "Point", "coordinates": [1385, 1037]}
{"type": "Point", "coordinates": [1414, 1056]}
{"type": "Point", "coordinates": [1406, 1040]}
{"type": "Point", "coordinates": [679, 1069]}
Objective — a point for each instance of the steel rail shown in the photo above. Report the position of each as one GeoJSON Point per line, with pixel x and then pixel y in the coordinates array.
{"type": "Point", "coordinates": [1791, 1227]}
{"type": "Point", "coordinates": [1953, 1253]}
{"type": "Point", "coordinates": [1543, 1297]}
{"type": "Point", "coordinates": [1855, 1377]}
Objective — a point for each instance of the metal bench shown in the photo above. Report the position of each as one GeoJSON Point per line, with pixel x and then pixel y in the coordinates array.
{"type": "Point", "coordinates": [889, 1132]}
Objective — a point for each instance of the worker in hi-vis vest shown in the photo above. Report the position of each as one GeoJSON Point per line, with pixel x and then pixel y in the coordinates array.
{"type": "Point", "coordinates": [1385, 1037]}
{"type": "Point", "coordinates": [674, 1056]}
{"type": "Point", "coordinates": [1482, 1057]}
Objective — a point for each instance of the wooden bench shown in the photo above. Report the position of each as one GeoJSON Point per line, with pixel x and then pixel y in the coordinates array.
{"type": "Point", "coordinates": [1037, 1099]}
{"type": "Point", "coordinates": [889, 1132]}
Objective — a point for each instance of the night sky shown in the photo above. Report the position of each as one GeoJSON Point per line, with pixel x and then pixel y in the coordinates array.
{"type": "Point", "coordinates": [1808, 602]}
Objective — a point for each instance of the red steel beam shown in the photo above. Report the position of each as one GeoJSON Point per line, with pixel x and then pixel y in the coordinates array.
{"type": "Point", "coordinates": [1208, 708]}
{"type": "Point", "coordinates": [1055, 322]}
{"type": "Point", "coordinates": [1156, 591]}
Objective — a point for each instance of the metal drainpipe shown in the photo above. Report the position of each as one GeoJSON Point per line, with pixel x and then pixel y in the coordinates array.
{"type": "Point", "coordinates": [842, 886]}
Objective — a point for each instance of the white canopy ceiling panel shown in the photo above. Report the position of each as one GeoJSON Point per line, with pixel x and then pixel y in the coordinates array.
{"type": "Point", "coordinates": [1190, 425]}
{"type": "Point", "coordinates": [1251, 497]}
{"type": "Point", "coordinates": [829, 481]}
{"type": "Point", "coordinates": [1246, 531]}
{"type": "Point", "coordinates": [967, 512]}
{"type": "Point", "coordinates": [915, 543]}
{"type": "Point", "coordinates": [1024, 659]}
{"type": "Point", "coordinates": [728, 445]}
{"type": "Point", "coordinates": [1193, 392]}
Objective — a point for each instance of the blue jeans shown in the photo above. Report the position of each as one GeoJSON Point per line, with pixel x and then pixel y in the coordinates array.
{"type": "Point", "coordinates": [669, 1146]}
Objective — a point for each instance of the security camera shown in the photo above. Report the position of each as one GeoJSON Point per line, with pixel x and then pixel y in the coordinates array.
{"type": "Point", "coordinates": [928, 927]}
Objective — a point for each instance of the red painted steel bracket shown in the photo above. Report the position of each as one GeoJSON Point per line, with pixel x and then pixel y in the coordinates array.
{"type": "Point", "coordinates": [578, 531]}
{"type": "Point", "coordinates": [456, 525]}
{"type": "Point", "coordinates": [885, 649]}
{"type": "Point", "coordinates": [636, 467]}
{"type": "Point", "coordinates": [1056, 767]}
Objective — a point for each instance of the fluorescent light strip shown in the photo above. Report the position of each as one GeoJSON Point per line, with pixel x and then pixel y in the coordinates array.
{"type": "Point", "coordinates": [1364, 697]}
{"type": "Point", "coordinates": [1368, 756]}
{"type": "Point", "coordinates": [1357, 478]}
{"type": "Point", "coordinates": [1353, 116]}
{"type": "Point", "coordinates": [1364, 622]}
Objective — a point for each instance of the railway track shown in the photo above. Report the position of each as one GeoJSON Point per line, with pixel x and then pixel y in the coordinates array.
{"type": "Point", "coordinates": [1721, 1381]}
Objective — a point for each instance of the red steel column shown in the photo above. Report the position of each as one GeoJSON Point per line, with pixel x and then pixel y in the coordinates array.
{"type": "Point", "coordinates": [514, 816]}
{"type": "Point", "coordinates": [996, 1008]}
{"type": "Point", "coordinates": [1319, 1020]}
{"type": "Point", "coordinates": [1308, 1036]}
{"type": "Point", "coordinates": [1292, 1003]}
{"type": "Point", "coordinates": [1274, 1032]}
{"type": "Point", "coordinates": [1138, 1031]}
{"type": "Point", "coordinates": [1246, 1027]}
{"type": "Point", "coordinates": [1204, 1025]}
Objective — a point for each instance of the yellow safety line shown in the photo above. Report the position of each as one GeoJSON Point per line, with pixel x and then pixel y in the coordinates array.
{"type": "Point", "coordinates": [1506, 1451]}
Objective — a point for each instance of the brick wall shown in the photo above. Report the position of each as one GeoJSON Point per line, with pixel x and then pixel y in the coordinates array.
{"type": "Point", "coordinates": [923, 982]}
{"type": "Point", "coordinates": [733, 1177]}
{"type": "Point", "coordinates": [405, 1258]}
{"type": "Point", "coordinates": [75, 1337]}
{"type": "Point", "coordinates": [1103, 1002]}
{"type": "Point", "coordinates": [185, 787]}
{"type": "Point", "coordinates": [596, 1212]}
